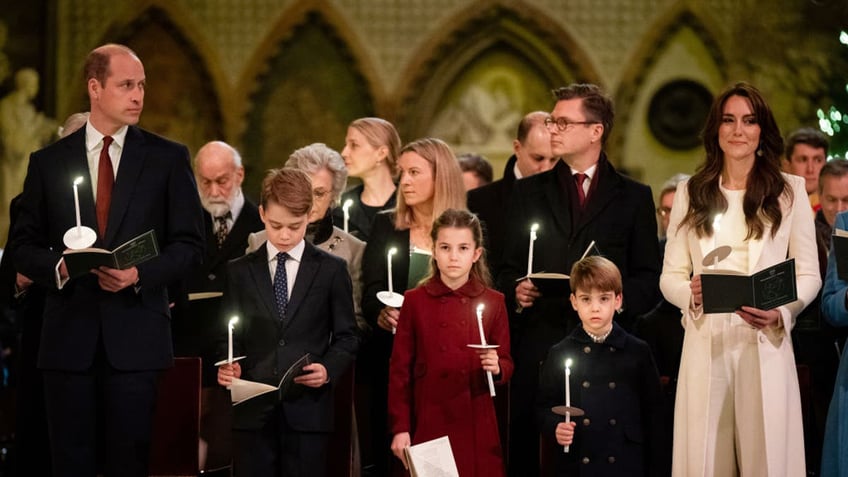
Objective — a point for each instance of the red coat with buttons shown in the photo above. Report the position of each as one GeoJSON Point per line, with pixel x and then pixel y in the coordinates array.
{"type": "Point", "coordinates": [437, 386]}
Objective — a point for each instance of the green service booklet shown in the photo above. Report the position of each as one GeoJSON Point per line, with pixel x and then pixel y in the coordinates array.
{"type": "Point", "coordinates": [137, 250]}
{"type": "Point", "coordinates": [725, 291]}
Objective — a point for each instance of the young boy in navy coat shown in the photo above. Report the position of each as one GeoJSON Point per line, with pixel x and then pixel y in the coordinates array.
{"type": "Point", "coordinates": [291, 299]}
{"type": "Point", "coordinates": [613, 379]}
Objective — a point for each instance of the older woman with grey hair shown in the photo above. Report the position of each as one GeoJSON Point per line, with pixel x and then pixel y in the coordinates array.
{"type": "Point", "coordinates": [327, 170]}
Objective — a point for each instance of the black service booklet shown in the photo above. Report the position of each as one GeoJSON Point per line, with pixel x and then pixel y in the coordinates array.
{"type": "Point", "coordinates": [725, 291]}
{"type": "Point", "coordinates": [136, 250]}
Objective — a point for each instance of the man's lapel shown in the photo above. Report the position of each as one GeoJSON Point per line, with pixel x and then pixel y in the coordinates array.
{"type": "Point", "coordinates": [309, 265]}
{"type": "Point", "coordinates": [258, 265]}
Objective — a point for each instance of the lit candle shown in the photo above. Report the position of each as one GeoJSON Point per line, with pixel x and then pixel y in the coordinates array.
{"type": "Point", "coordinates": [77, 182]}
{"type": "Point", "coordinates": [483, 342]}
{"type": "Point", "coordinates": [567, 395]}
{"type": "Point", "coordinates": [716, 228]}
{"type": "Point", "coordinates": [346, 210]}
{"type": "Point", "coordinates": [392, 251]}
{"type": "Point", "coordinates": [230, 327]}
{"type": "Point", "coordinates": [533, 229]}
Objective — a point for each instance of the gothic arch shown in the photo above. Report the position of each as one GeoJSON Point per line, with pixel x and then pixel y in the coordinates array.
{"type": "Point", "coordinates": [290, 19]}
{"type": "Point", "coordinates": [186, 108]}
{"type": "Point", "coordinates": [645, 55]}
{"type": "Point", "coordinates": [472, 32]}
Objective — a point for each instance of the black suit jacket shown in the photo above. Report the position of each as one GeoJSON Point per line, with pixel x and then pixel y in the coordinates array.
{"type": "Point", "coordinates": [619, 216]}
{"type": "Point", "coordinates": [319, 320]}
{"type": "Point", "coordinates": [490, 203]}
{"type": "Point", "coordinates": [196, 330]}
{"type": "Point", "coordinates": [154, 189]}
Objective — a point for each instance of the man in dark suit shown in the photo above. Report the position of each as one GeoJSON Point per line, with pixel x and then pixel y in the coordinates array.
{"type": "Point", "coordinates": [532, 148]}
{"type": "Point", "coordinates": [228, 218]}
{"type": "Point", "coordinates": [106, 336]}
{"type": "Point", "coordinates": [583, 198]}
{"type": "Point", "coordinates": [291, 298]}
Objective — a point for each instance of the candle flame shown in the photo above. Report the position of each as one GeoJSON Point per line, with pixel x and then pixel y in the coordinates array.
{"type": "Point", "coordinates": [78, 180]}
{"type": "Point", "coordinates": [534, 228]}
{"type": "Point", "coordinates": [347, 204]}
{"type": "Point", "coordinates": [480, 310]}
{"type": "Point", "coordinates": [568, 363]}
{"type": "Point", "coordinates": [233, 322]}
{"type": "Point", "coordinates": [392, 251]}
{"type": "Point", "coordinates": [717, 222]}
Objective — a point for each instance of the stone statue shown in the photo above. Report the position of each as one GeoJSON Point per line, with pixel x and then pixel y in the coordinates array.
{"type": "Point", "coordinates": [23, 130]}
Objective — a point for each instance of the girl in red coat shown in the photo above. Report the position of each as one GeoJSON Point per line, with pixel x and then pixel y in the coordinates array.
{"type": "Point", "coordinates": [437, 384]}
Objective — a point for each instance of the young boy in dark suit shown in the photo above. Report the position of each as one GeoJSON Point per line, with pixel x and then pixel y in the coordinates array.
{"type": "Point", "coordinates": [291, 299]}
{"type": "Point", "coordinates": [613, 379]}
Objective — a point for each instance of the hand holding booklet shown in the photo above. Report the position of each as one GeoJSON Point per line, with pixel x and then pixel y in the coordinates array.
{"type": "Point", "coordinates": [431, 459]}
{"type": "Point", "coordinates": [726, 291]}
{"type": "Point", "coordinates": [840, 248]}
{"type": "Point", "coordinates": [242, 390]}
{"type": "Point", "coordinates": [135, 251]}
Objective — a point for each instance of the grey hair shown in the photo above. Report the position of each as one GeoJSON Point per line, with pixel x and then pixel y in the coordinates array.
{"type": "Point", "coordinates": [316, 156]}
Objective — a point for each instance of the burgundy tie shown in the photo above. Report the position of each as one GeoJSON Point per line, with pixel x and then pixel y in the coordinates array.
{"type": "Point", "coordinates": [105, 181]}
{"type": "Point", "coordinates": [581, 196]}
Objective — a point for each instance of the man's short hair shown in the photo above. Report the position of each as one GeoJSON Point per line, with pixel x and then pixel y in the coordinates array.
{"type": "Point", "coordinates": [595, 273]}
{"type": "Point", "coordinates": [97, 61]}
{"type": "Point", "coordinates": [671, 184]}
{"type": "Point", "coordinates": [290, 188]}
{"type": "Point", "coordinates": [528, 122]}
{"type": "Point", "coordinates": [479, 165]}
{"type": "Point", "coordinates": [833, 168]}
{"type": "Point", "coordinates": [809, 136]}
{"type": "Point", "coordinates": [596, 104]}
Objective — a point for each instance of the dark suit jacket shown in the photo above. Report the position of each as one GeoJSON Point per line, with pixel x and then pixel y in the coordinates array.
{"type": "Point", "coordinates": [195, 330]}
{"type": "Point", "coordinates": [616, 384]}
{"type": "Point", "coordinates": [619, 217]}
{"type": "Point", "coordinates": [489, 203]}
{"type": "Point", "coordinates": [154, 189]}
{"type": "Point", "coordinates": [319, 320]}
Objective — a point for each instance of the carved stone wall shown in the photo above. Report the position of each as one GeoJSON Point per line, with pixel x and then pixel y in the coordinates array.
{"type": "Point", "coordinates": [416, 62]}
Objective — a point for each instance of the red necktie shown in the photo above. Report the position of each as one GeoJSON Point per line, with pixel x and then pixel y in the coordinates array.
{"type": "Point", "coordinates": [105, 181]}
{"type": "Point", "coordinates": [581, 196]}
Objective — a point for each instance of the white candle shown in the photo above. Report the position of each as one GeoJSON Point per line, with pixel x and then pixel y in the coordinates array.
{"type": "Point", "coordinates": [346, 210]}
{"type": "Point", "coordinates": [480, 308]}
{"type": "Point", "coordinates": [77, 181]}
{"type": "Point", "coordinates": [230, 327]}
{"type": "Point", "coordinates": [392, 251]}
{"type": "Point", "coordinates": [716, 228]}
{"type": "Point", "coordinates": [567, 395]}
{"type": "Point", "coordinates": [533, 229]}
{"type": "Point", "coordinates": [489, 377]}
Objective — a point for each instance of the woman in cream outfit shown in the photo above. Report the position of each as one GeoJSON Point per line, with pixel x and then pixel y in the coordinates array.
{"type": "Point", "coordinates": [738, 409]}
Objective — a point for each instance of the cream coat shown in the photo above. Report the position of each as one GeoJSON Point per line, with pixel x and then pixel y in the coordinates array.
{"type": "Point", "coordinates": [779, 381]}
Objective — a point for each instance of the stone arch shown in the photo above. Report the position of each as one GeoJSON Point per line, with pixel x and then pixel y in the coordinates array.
{"type": "Point", "coordinates": [290, 19]}
{"type": "Point", "coordinates": [188, 110]}
{"type": "Point", "coordinates": [658, 37]}
{"type": "Point", "coordinates": [302, 86]}
{"type": "Point", "coordinates": [518, 28]}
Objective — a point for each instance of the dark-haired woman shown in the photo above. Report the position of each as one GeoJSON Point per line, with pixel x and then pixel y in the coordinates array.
{"type": "Point", "coordinates": [738, 403]}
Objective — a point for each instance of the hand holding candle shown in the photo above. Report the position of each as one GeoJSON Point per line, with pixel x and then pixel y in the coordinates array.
{"type": "Point", "coordinates": [346, 211]}
{"type": "Point", "coordinates": [489, 377]}
{"type": "Point", "coordinates": [230, 327]}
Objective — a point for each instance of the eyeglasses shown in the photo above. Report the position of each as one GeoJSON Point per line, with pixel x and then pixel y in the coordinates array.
{"type": "Point", "coordinates": [563, 124]}
{"type": "Point", "coordinates": [663, 211]}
